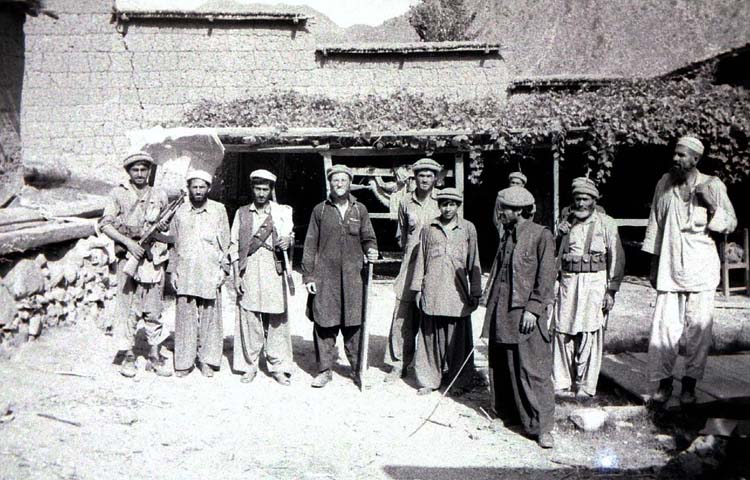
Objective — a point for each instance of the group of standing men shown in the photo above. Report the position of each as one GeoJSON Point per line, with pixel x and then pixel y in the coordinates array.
{"type": "Point", "coordinates": [547, 306]}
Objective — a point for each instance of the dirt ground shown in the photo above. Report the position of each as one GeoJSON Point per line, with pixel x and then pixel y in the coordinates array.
{"type": "Point", "coordinates": [153, 427]}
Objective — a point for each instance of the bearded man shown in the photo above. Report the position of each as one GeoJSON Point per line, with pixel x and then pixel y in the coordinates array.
{"type": "Point", "coordinates": [592, 265]}
{"type": "Point", "coordinates": [685, 266]}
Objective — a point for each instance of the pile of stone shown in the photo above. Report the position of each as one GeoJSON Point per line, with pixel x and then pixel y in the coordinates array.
{"type": "Point", "coordinates": [67, 283]}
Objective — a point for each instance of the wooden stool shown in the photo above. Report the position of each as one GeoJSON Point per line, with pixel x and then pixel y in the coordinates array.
{"type": "Point", "coordinates": [744, 264]}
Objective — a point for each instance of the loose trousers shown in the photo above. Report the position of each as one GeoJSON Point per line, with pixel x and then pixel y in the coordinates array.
{"type": "Point", "coordinates": [677, 314]}
{"type": "Point", "coordinates": [197, 331]}
{"type": "Point", "coordinates": [137, 301]}
{"type": "Point", "coordinates": [399, 352]}
{"type": "Point", "coordinates": [325, 345]}
{"type": "Point", "coordinates": [268, 332]}
{"type": "Point", "coordinates": [522, 382]}
{"type": "Point", "coordinates": [578, 359]}
{"type": "Point", "coordinates": [444, 343]}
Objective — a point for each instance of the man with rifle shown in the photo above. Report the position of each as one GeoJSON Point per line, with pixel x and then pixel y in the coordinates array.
{"type": "Point", "coordinates": [134, 209]}
{"type": "Point", "coordinates": [261, 234]}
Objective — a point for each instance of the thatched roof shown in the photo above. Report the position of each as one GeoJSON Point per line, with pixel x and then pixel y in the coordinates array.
{"type": "Point", "coordinates": [218, 10]}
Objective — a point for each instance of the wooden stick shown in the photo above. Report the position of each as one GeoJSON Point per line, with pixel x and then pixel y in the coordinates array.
{"type": "Point", "coordinates": [365, 340]}
{"type": "Point", "coordinates": [58, 419]}
{"type": "Point", "coordinates": [466, 360]}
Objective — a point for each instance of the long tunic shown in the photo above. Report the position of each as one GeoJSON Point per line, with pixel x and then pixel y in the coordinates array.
{"type": "Point", "coordinates": [446, 269]}
{"type": "Point", "coordinates": [333, 258]}
{"type": "Point", "coordinates": [678, 233]}
{"type": "Point", "coordinates": [264, 287]}
{"type": "Point", "coordinates": [413, 214]}
{"type": "Point", "coordinates": [580, 295]}
{"type": "Point", "coordinates": [201, 247]}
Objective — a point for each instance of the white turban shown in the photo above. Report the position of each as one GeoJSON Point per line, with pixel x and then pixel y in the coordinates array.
{"type": "Point", "coordinates": [199, 174]}
{"type": "Point", "coordinates": [692, 143]}
{"type": "Point", "coordinates": [263, 175]}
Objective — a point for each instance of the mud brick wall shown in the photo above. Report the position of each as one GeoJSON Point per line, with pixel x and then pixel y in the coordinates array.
{"type": "Point", "coordinates": [87, 83]}
{"type": "Point", "coordinates": [11, 79]}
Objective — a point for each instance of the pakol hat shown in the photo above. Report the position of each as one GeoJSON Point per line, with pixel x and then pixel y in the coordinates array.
{"type": "Point", "coordinates": [137, 157]}
{"type": "Point", "coordinates": [585, 185]}
{"type": "Point", "coordinates": [340, 168]}
{"type": "Point", "coordinates": [692, 143]}
{"type": "Point", "coordinates": [515, 197]}
{"type": "Point", "coordinates": [517, 175]}
{"type": "Point", "coordinates": [449, 193]}
{"type": "Point", "coordinates": [426, 164]}
{"type": "Point", "coordinates": [199, 174]}
{"type": "Point", "coordinates": [262, 174]}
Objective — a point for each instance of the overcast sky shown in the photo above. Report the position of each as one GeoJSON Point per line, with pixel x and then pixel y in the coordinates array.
{"type": "Point", "coordinates": [350, 12]}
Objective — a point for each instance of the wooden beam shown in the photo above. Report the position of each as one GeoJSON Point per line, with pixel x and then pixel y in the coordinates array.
{"type": "Point", "coordinates": [632, 222]}
{"type": "Point", "coordinates": [327, 163]}
{"type": "Point", "coordinates": [383, 215]}
{"type": "Point", "coordinates": [31, 238]}
{"type": "Point", "coordinates": [459, 170]}
{"type": "Point", "coordinates": [555, 193]}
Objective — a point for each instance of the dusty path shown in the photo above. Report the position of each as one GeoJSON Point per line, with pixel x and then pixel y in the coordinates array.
{"type": "Point", "coordinates": [151, 427]}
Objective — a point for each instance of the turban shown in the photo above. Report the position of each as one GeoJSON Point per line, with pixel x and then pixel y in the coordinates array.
{"type": "Point", "coordinates": [340, 168]}
{"type": "Point", "coordinates": [199, 174]}
{"type": "Point", "coordinates": [426, 164]}
{"type": "Point", "coordinates": [449, 194]}
{"type": "Point", "coordinates": [585, 185]}
{"type": "Point", "coordinates": [515, 197]}
{"type": "Point", "coordinates": [692, 143]}
{"type": "Point", "coordinates": [137, 157]}
{"type": "Point", "coordinates": [517, 175]}
{"type": "Point", "coordinates": [263, 175]}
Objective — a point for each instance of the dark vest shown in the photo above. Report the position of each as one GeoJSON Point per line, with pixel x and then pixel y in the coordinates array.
{"type": "Point", "coordinates": [245, 217]}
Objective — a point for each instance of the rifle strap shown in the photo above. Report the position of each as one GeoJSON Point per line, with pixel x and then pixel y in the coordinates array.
{"type": "Point", "coordinates": [259, 239]}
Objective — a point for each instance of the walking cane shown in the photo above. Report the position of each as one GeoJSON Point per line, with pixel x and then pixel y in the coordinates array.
{"type": "Point", "coordinates": [365, 335]}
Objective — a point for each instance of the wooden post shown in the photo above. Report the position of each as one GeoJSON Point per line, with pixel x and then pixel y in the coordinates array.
{"type": "Point", "coordinates": [327, 163]}
{"type": "Point", "coordinates": [458, 174]}
{"type": "Point", "coordinates": [555, 193]}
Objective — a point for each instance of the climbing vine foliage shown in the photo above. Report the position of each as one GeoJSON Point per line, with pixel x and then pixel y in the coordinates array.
{"type": "Point", "coordinates": [627, 113]}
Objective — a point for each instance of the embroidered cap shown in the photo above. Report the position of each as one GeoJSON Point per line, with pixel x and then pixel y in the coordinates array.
{"type": "Point", "coordinates": [517, 175]}
{"type": "Point", "coordinates": [199, 174]}
{"type": "Point", "coordinates": [263, 175]}
{"type": "Point", "coordinates": [449, 193]}
{"type": "Point", "coordinates": [692, 143]}
{"type": "Point", "coordinates": [340, 168]}
{"type": "Point", "coordinates": [515, 197]}
{"type": "Point", "coordinates": [585, 185]}
{"type": "Point", "coordinates": [426, 164]}
{"type": "Point", "coordinates": [137, 157]}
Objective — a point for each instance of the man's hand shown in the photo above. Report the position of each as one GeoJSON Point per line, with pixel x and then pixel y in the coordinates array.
{"type": "Point", "coordinates": [173, 280]}
{"type": "Point", "coordinates": [704, 196]}
{"type": "Point", "coordinates": [372, 255]}
{"type": "Point", "coordinates": [135, 250]}
{"type": "Point", "coordinates": [609, 301]}
{"type": "Point", "coordinates": [528, 322]}
{"type": "Point", "coordinates": [238, 286]}
{"type": "Point", "coordinates": [654, 272]}
{"type": "Point", "coordinates": [163, 225]}
{"type": "Point", "coordinates": [418, 299]}
{"type": "Point", "coordinates": [283, 243]}
{"type": "Point", "coordinates": [311, 288]}
{"type": "Point", "coordinates": [563, 227]}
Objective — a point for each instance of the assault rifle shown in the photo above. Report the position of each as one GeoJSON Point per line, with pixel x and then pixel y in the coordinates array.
{"type": "Point", "coordinates": [132, 263]}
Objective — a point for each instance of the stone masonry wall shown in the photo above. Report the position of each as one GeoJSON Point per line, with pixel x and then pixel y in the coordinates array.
{"type": "Point", "coordinates": [86, 84]}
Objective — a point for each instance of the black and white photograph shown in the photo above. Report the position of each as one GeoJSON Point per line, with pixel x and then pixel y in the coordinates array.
{"type": "Point", "coordinates": [375, 239]}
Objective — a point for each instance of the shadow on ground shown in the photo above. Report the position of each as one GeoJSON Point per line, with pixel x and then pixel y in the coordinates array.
{"type": "Point", "coordinates": [409, 472]}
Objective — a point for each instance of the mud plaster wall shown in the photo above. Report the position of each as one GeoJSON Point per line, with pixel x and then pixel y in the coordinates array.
{"type": "Point", "coordinates": [11, 78]}
{"type": "Point", "coordinates": [86, 84]}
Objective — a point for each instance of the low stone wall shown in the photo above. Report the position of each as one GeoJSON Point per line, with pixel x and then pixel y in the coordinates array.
{"type": "Point", "coordinates": [61, 284]}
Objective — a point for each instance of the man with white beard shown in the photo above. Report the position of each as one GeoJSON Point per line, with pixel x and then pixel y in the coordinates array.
{"type": "Point", "coordinates": [592, 265]}
{"type": "Point", "coordinates": [685, 266]}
